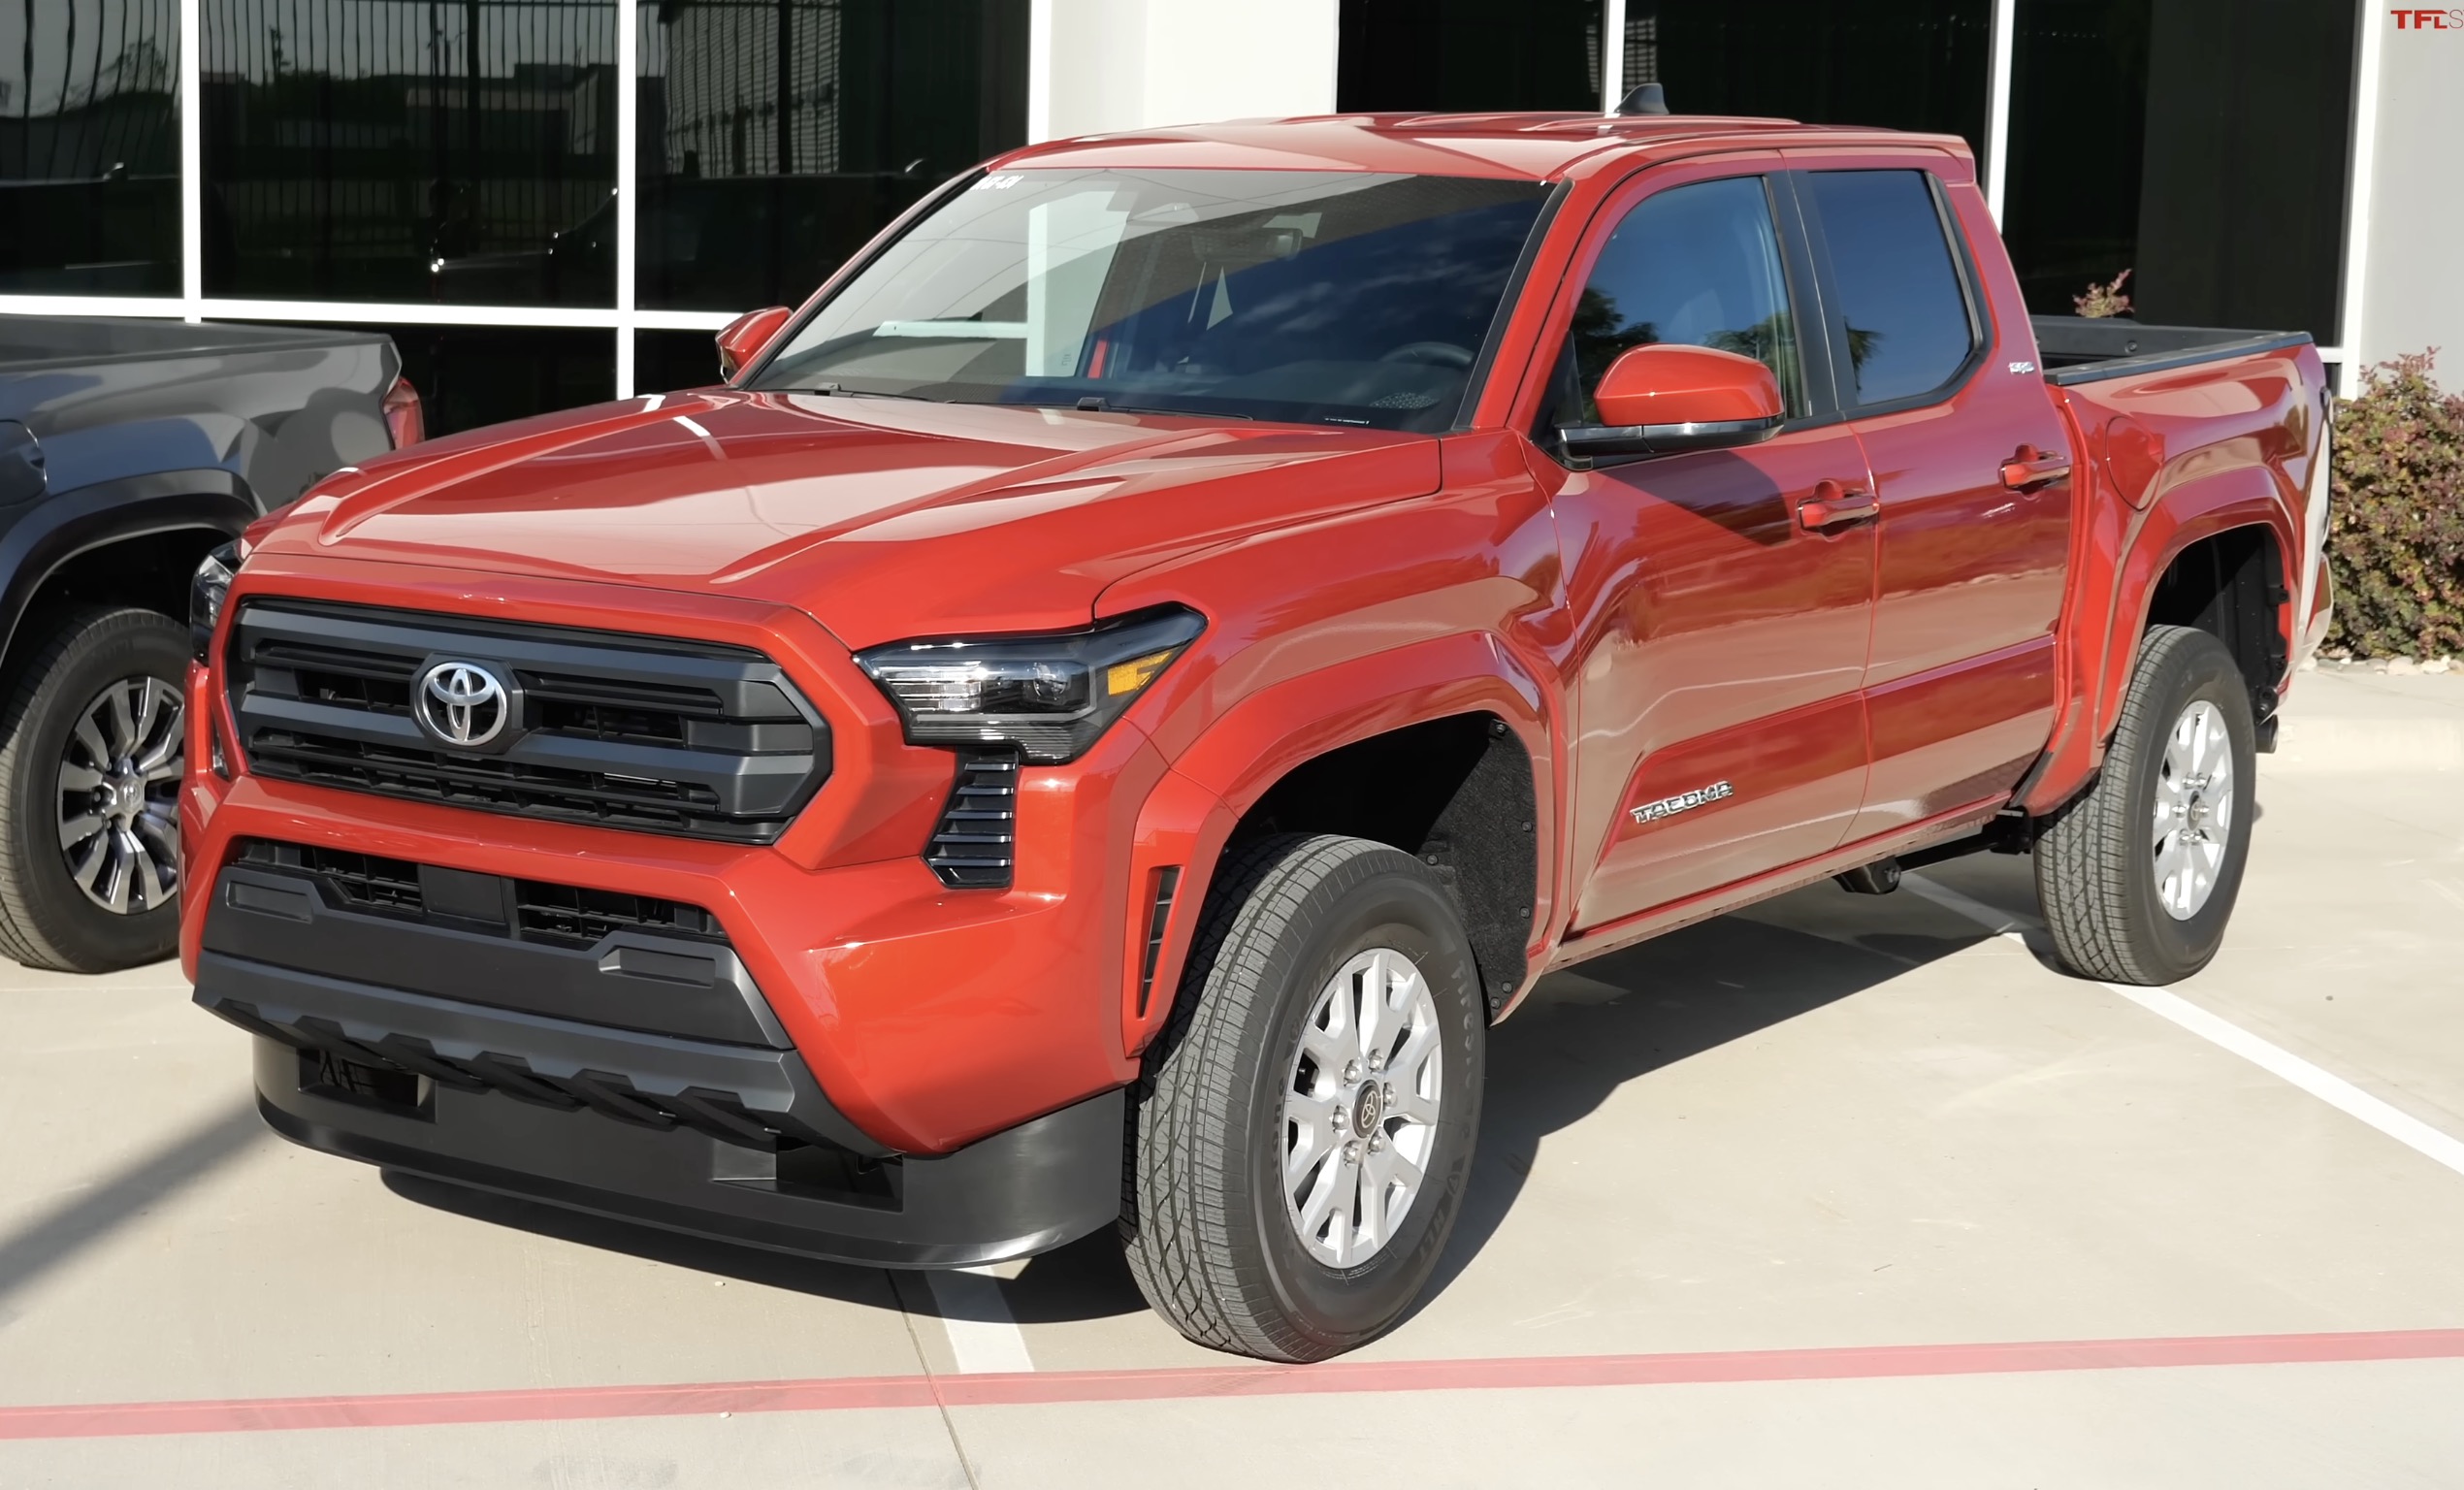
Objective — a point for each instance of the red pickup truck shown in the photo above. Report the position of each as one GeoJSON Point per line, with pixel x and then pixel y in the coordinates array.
{"type": "Point", "coordinates": [1100, 714]}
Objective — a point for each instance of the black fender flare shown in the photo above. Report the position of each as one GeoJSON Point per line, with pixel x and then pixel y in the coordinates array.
{"type": "Point", "coordinates": [61, 528]}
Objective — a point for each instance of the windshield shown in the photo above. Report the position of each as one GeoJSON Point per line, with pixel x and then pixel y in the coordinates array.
{"type": "Point", "coordinates": [1337, 297]}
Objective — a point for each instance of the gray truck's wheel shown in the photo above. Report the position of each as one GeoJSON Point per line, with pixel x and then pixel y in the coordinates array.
{"type": "Point", "coordinates": [90, 757]}
{"type": "Point", "coordinates": [2138, 877]}
{"type": "Point", "coordinates": [1304, 1134]}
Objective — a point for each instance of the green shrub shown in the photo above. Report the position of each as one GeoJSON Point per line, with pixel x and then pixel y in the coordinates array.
{"type": "Point", "coordinates": [2396, 542]}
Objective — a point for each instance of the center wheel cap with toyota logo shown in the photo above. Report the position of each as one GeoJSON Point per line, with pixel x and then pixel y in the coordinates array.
{"type": "Point", "coordinates": [465, 704]}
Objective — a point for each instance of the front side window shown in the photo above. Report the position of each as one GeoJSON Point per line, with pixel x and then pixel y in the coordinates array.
{"type": "Point", "coordinates": [1335, 297]}
{"type": "Point", "coordinates": [1696, 265]}
{"type": "Point", "coordinates": [1905, 318]}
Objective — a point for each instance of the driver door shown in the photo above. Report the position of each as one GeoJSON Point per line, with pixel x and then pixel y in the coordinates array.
{"type": "Point", "coordinates": [1719, 631]}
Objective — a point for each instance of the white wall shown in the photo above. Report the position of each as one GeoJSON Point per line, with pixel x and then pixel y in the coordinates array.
{"type": "Point", "coordinates": [2414, 296]}
{"type": "Point", "coordinates": [1128, 64]}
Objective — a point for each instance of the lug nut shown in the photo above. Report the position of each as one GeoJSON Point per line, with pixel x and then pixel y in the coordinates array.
{"type": "Point", "coordinates": [1376, 1145]}
{"type": "Point", "coordinates": [1340, 1118]}
{"type": "Point", "coordinates": [1351, 1151]}
{"type": "Point", "coordinates": [1376, 1062]}
{"type": "Point", "coordinates": [1351, 1070]}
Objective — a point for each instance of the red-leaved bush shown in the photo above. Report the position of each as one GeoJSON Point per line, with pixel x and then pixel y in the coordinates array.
{"type": "Point", "coordinates": [2395, 544]}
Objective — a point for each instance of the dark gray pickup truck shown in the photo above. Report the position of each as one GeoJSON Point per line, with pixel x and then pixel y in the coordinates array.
{"type": "Point", "coordinates": [129, 452]}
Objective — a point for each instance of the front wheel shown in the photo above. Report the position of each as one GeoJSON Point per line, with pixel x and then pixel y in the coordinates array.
{"type": "Point", "coordinates": [1304, 1134]}
{"type": "Point", "coordinates": [2138, 877]}
{"type": "Point", "coordinates": [90, 758]}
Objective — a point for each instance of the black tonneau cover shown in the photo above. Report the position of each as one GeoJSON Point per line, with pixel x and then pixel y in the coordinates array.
{"type": "Point", "coordinates": [2088, 349]}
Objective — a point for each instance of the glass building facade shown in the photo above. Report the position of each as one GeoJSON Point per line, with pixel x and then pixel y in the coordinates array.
{"type": "Point", "coordinates": [548, 202]}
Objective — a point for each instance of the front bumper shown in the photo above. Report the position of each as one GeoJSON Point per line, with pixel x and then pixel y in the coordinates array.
{"type": "Point", "coordinates": [673, 1099]}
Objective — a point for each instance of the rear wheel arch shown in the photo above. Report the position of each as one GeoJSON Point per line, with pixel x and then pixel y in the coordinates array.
{"type": "Point", "coordinates": [2232, 585]}
{"type": "Point", "coordinates": [2185, 533]}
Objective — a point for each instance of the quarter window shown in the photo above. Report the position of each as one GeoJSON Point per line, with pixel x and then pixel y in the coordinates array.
{"type": "Point", "coordinates": [1903, 316]}
{"type": "Point", "coordinates": [1699, 266]}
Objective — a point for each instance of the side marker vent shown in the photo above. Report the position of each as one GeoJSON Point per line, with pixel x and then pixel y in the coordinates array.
{"type": "Point", "coordinates": [1167, 883]}
{"type": "Point", "coordinates": [975, 844]}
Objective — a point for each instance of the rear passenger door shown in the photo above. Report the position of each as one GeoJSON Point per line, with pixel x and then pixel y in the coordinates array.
{"type": "Point", "coordinates": [1718, 640]}
{"type": "Point", "coordinates": [1942, 390]}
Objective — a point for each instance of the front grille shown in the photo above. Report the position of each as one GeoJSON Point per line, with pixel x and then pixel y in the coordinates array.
{"type": "Point", "coordinates": [566, 913]}
{"type": "Point", "coordinates": [974, 846]}
{"type": "Point", "coordinates": [616, 730]}
{"type": "Point", "coordinates": [563, 915]}
{"type": "Point", "coordinates": [363, 881]}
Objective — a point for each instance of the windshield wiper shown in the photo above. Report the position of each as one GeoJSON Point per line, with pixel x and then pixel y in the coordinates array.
{"type": "Point", "coordinates": [834, 391]}
{"type": "Point", "coordinates": [1091, 403]}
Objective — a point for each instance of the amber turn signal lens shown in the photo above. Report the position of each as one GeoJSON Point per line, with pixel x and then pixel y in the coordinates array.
{"type": "Point", "coordinates": [1136, 673]}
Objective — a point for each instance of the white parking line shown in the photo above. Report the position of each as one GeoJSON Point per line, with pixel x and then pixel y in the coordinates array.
{"type": "Point", "coordinates": [983, 1337]}
{"type": "Point", "coordinates": [2334, 1090]}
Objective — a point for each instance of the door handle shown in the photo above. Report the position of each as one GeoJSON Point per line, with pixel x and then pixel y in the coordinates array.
{"type": "Point", "coordinates": [2029, 469]}
{"type": "Point", "coordinates": [1833, 506]}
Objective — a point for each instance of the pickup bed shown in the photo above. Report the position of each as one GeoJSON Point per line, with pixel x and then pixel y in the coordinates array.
{"type": "Point", "coordinates": [129, 450]}
{"type": "Point", "coordinates": [1095, 719]}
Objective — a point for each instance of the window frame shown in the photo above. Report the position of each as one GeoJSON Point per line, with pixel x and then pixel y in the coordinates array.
{"type": "Point", "coordinates": [1963, 274]}
{"type": "Point", "coordinates": [1807, 292]}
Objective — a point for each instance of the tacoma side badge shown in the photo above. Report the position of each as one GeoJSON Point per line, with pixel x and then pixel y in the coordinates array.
{"type": "Point", "coordinates": [1683, 802]}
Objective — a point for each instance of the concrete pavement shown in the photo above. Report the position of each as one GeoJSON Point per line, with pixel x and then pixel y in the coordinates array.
{"type": "Point", "coordinates": [1825, 1123]}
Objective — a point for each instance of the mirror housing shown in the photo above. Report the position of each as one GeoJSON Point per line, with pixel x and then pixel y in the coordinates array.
{"type": "Point", "coordinates": [1661, 399]}
{"type": "Point", "coordinates": [743, 338]}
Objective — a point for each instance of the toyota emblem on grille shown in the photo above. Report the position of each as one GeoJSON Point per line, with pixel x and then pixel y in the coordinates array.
{"type": "Point", "coordinates": [463, 703]}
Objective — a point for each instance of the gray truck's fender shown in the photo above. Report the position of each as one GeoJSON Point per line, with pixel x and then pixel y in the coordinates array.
{"type": "Point", "coordinates": [57, 529]}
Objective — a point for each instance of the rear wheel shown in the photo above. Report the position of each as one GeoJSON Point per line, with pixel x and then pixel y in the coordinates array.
{"type": "Point", "coordinates": [90, 759]}
{"type": "Point", "coordinates": [2139, 876]}
{"type": "Point", "coordinates": [1305, 1133]}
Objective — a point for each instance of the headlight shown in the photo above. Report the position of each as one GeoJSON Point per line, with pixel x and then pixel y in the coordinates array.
{"type": "Point", "coordinates": [206, 590]}
{"type": "Point", "coordinates": [1051, 696]}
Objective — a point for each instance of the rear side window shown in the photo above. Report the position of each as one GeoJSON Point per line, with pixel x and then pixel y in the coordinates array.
{"type": "Point", "coordinates": [1698, 264]}
{"type": "Point", "coordinates": [1905, 317]}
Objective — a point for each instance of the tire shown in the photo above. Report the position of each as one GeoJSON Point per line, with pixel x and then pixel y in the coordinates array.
{"type": "Point", "coordinates": [2123, 900]}
{"type": "Point", "coordinates": [46, 919]}
{"type": "Point", "coordinates": [1293, 928]}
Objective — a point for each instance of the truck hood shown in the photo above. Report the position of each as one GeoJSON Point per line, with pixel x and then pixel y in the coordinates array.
{"type": "Point", "coordinates": [882, 518]}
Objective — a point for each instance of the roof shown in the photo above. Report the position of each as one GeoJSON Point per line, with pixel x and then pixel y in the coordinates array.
{"type": "Point", "coordinates": [1524, 147]}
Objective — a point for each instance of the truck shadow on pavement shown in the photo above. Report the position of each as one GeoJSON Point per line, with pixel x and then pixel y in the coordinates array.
{"type": "Point", "coordinates": [722, 1259]}
{"type": "Point", "coordinates": [1586, 1032]}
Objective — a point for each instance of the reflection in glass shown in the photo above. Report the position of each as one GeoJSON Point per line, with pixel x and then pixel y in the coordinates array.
{"type": "Point", "coordinates": [779, 136]}
{"type": "Point", "coordinates": [1427, 56]}
{"type": "Point", "coordinates": [1896, 64]}
{"type": "Point", "coordinates": [1695, 266]}
{"type": "Point", "coordinates": [664, 361]}
{"type": "Point", "coordinates": [89, 147]}
{"type": "Point", "coordinates": [470, 376]}
{"type": "Point", "coordinates": [1903, 315]}
{"type": "Point", "coordinates": [457, 150]}
{"type": "Point", "coordinates": [1335, 296]}
{"type": "Point", "coordinates": [2199, 145]}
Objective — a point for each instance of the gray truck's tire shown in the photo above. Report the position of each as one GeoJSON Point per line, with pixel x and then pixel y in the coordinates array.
{"type": "Point", "coordinates": [47, 920]}
{"type": "Point", "coordinates": [2102, 871]}
{"type": "Point", "coordinates": [1214, 1239]}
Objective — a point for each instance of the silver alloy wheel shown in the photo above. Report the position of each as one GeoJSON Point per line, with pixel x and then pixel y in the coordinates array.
{"type": "Point", "coordinates": [119, 797]}
{"type": "Point", "coordinates": [2194, 810]}
{"type": "Point", "coordinates": [1360, 1108]}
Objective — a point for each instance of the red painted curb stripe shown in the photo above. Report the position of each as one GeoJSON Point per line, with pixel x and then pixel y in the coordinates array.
{"type": "Point", "coordinates": [1511, 1373]}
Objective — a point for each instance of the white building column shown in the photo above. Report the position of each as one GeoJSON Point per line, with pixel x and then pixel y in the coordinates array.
{"type": "Point", "coordinates": [2403, 291]}
{"type": "Point", "coordinates": [1105, 65]}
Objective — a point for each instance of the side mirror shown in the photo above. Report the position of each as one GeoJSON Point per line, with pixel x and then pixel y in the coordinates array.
{"type": "Point", "coordinates": [1663, 399]}
{"type": "Point", "coordinates": [744, 337]}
